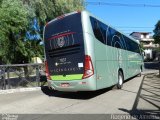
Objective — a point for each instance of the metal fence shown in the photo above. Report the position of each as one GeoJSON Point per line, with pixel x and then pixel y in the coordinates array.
{"type": "Point", "coordinates": [21, 75]}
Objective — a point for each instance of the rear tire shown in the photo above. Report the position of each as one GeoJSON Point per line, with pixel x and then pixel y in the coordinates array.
{"type": "Point", "coordinates": [120, 80]}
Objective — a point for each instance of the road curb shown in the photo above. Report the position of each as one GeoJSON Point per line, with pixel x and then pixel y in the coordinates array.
{"type": "Point", "coordinates": [9, 91]}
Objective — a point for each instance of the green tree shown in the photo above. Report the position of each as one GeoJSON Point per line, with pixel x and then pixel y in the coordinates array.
{"type": "Point", "coordinates": [13, 24]}
{"type": "Point", "coordinates": [47, 10]}
{"type": "Point", "coordinates": [15, 19]}
{"type": "Point", "coordinates": [156, 37]}
{"type": "Point", "coordinates": [156, 31]}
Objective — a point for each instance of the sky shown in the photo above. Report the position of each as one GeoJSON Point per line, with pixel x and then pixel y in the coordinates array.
{"type": "Point", "coordinates": [128, 18]}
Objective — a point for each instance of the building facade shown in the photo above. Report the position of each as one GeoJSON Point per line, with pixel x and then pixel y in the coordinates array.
{"type": "Point", "coordinates": [147, 41]}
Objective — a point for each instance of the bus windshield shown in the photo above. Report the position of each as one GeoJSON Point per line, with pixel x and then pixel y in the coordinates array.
{"type": "Point", "coordinates": [64, 46]}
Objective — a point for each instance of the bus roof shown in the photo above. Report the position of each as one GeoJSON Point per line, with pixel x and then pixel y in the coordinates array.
{"type": "Point", "coordinates": [62, 16]}
{"type": "Point", "coordinates": [90, 14]}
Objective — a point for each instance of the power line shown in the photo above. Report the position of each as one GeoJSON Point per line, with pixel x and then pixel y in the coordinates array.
{"type": "Point", "coordinates": [139, 27]}
{"type": "Point", "coordinates": [130, 30]}
{"type": "Point", "coordinates": [134, 30]}
{"type": "Point", "coordinates": [122, 4]}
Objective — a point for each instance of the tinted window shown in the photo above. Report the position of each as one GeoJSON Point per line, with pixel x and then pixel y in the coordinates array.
{"type": "Point", "coordinates": [110, 34]}
{"type": "Point", "coordinates": [99, 29]}
{"type": "Point", "coordinates": [64, 32]}
{"type": "Point", "coordinates": [131, 45]}
{"type": "Point", "coordinates": [114, 37]}
{"type": "Point", "coordinates": [136, 48]}
{"type": "Point", "coordinates": [117, 45]}
{"type": "Point", "coordinates": [111, 37]}
{"type": "Point", "coordinates": [108, 37]}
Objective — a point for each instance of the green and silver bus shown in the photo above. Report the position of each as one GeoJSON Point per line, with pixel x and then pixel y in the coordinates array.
{"type": "Point", "coordinates": [84, 54]}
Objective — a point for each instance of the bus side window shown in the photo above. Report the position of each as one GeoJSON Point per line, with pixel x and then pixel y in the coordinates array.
{"type": "Point", "coordinates": [103, 29]}
{"type": "Point", "coordinates": [98, 30]}
{"type": "Point", "coordinates": [117, 45]}
{"type": "Point", "coordinates": [128, 42]}
{"type": "Point", "coordinates": [132, 46]}
{"type": "Point", "coordinates": [123, 42]}
{"type": "Point", "coordinates": [114, 38]}
{"type": "Point", "coordinates": [135, 47]}
{"type": "Point", "coordinates": [138, 49]}
{"type": "Point", "coordinates": [119, 41]}
{"type": "Point", "coordinates": [108, 34]}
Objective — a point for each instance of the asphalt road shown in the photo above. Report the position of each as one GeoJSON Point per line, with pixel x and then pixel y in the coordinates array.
{"type": "Point", "coordinates": [106, 101]}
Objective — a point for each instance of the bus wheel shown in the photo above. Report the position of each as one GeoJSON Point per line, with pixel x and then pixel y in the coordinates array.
{"type": "Point", "coordinates": [120, 80]}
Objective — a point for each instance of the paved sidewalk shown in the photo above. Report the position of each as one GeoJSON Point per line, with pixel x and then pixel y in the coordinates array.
{"type": "Point", "coordinates": [148, 97]}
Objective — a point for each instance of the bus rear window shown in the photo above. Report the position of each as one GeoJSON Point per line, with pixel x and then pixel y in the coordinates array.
{"type": "Point", "coordinates": [63, 32]}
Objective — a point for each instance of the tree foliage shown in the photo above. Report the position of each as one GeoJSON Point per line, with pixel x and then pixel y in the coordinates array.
{"type": "Point", "coordinates": [156, 31]}
{"type": "Point", "coordinates": [156, 36]}
{"type": "Point", "coordinates": [46, 10]}
{"type": "Point", "coordinates": [16, 17]}
{"type": "Point", "coordinates": [13, 24]}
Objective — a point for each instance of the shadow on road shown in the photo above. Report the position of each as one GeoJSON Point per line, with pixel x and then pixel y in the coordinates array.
{"type": "Point", "coordinates": [147, 101]}
{"type": "Point", "coordinates": [78, 95]}
{"type": "Point", "coordinates": [74, 95]}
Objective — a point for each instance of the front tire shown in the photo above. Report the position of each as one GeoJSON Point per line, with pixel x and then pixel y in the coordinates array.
{"type": "Point", "coordinates": [120, 80]}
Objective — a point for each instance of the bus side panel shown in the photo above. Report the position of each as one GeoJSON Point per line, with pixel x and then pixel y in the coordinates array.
{"type": "Point", "coordinates": [106, 65]}
{"type": "Point", "coordinates": [133, 64]}
{"type": "Point", "coordinates": [123, 62]}
{"type": "Point", "coordinates": [113, 64]}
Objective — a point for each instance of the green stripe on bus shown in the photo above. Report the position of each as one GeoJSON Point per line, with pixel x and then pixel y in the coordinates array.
{"type": "Point", "coordinates": [135, 61]}
{"type": "Point", "coordinates": [67, 77]}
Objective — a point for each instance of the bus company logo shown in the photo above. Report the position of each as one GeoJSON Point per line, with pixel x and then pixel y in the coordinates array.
{"type": "Point", "coordinates": [60, 41]}
{"type": "Point", "coordinates": [66, 69]}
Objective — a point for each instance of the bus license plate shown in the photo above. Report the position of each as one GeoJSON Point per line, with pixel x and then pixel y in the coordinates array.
{"type": "Point", "coordinates": [64, 84]}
